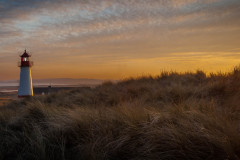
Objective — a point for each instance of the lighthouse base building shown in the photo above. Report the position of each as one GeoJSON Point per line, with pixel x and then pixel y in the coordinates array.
{"type": "Point", "coordinates": [25, 85]}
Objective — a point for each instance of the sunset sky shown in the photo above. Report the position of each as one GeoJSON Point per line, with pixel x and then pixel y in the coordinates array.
{"type": "Point", "coordinates": [115, 39]}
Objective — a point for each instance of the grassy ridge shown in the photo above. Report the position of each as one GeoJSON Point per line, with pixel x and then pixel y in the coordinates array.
{"type": "Point", "coordinates": [172, 116]}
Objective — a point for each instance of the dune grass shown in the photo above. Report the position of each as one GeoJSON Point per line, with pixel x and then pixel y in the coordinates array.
{"type": "Point", "coordinates": [171, 116]}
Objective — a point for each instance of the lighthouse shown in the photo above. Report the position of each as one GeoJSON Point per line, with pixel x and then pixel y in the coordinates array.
{"type": "Point", "coordinates": [25, 86]}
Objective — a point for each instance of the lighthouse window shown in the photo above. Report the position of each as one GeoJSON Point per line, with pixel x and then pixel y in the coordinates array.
{"type": "Point", "coordinates": [25, 59]}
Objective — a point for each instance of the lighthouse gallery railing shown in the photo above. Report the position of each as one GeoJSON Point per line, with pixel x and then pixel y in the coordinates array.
{"type": "Point", "coordinates": [25, 64]}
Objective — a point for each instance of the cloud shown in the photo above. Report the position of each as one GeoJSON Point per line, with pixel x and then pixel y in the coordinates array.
{"type": "Point", "coordinates": [117, 30]}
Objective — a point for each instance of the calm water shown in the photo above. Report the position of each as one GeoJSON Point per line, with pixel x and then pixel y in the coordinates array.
{"type": "Point", "coordinates": [8, 90]}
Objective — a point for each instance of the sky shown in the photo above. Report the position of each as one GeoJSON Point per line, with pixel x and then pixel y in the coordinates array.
{"type": "Point", "coordinates": [116, 39]}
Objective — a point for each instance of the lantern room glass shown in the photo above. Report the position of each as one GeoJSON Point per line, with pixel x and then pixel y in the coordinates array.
{"type": "Point", "coordinates": [25, 59]}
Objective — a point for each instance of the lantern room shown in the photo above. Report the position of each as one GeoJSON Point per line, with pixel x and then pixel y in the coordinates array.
{"type": "Point", "coordinates": [25, 60]}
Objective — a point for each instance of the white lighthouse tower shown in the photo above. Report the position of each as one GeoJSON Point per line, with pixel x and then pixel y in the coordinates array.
{"type": "Point", "coordinates": [25, 86]}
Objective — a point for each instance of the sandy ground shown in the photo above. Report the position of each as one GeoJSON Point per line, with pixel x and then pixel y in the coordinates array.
{"type": "Point", "coordinates": [7, 95]}
{"type": "Point", "coordinates": [4, 100]}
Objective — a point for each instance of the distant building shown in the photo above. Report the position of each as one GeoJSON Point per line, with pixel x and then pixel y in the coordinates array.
{"type": "Point", "coordinates": [25, 86]}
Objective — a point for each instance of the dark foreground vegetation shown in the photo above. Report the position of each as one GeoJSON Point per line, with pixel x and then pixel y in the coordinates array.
{"type": "Point", "coordinates": [173, 116]}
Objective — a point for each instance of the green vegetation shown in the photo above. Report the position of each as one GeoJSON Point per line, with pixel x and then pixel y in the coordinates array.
{"type": "Point", "coordinates": [173, 116]}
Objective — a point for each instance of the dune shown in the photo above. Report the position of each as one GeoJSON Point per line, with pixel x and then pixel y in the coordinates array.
{"type": "Point", "coordinates": [170, 116]}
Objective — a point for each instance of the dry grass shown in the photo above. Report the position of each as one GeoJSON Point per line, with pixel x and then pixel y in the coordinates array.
{"type": "Point", "coordinates": [172, 116]}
